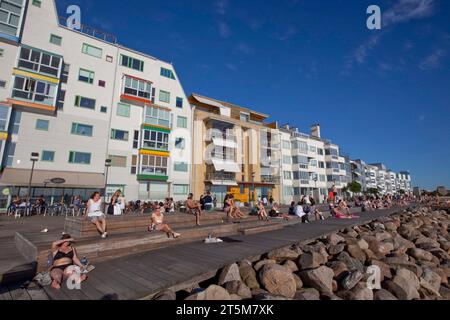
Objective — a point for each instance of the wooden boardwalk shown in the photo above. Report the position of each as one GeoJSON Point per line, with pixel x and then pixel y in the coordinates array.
{"type": "Point", "coordinates": [142, 275]}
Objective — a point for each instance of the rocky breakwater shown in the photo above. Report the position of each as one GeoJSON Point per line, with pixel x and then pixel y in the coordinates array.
{"type": "Point", "coordinates": [401, 257]}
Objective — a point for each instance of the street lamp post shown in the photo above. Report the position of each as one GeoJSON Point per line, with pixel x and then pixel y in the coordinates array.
{"type": "Point", "coordinates": [222, 173]}
{"type": "Point", "coordinates": [252, 200]}
{"type": "Point", "coordinates": [107, 166]}
{"type": "Point", "coordinates": [34, 158]}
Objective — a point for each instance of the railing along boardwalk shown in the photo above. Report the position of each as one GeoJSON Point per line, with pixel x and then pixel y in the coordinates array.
{"type": "Point", "coordinates": [142, 275]}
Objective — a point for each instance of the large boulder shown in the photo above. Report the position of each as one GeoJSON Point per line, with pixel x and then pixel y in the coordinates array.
{"type": "Point", "coordinates": [384, 268]}
{"type": "Point", "coordinates": [309, 294]}
{"type": "Point", "coordinates": [405, 285]}
{"type": "Point", "coordinates": [212, 293]}
{"type": "Point", "coordinates": [351, 263]}
{"type": "Point", "coordinates": [291, 266]}
{"type": "Point", "coordinates": [335, 239]}
{"type": "Point", "coordinates": [431, 280]}
{"type": "Point", "coordinates": [239, 288]}
{"type": "Point", "coordinates": [336, 249]}
{"type": "Point", "coordinates": [260, 264]}
{"type": "Point", "coordinates": [278, 281]}
{"type": "Point", "coordinates": [248, 275]}
{"type": "Point", "coordinates": [384, 295]}
{"type": "Point", "coordinates": [338, 268]}
{"type": "Point", "coordinates": [362, 244]}
{"type": "Point", "coordinates": [298, 281]}
{"type": "Point", "coordinates": [311, 260]}
{"type": "Point", "coordinates": [350, 280]}
{"type": "Point", "coordinates": [320, 278]}
{"type": "Point", "coordinates": [281, 255]}
{"type": "Point", "coordinates": [362, 292]}
{"type": "Point", "coordinates": [420, 254]}
{"type": "Point", "coordinates": [356, 252]}
{"type": "Point", "coordinates": [229, 273]}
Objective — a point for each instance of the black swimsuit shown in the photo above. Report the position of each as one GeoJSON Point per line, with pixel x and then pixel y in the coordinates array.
{"type": "Point", "coordinates": [61, 255]}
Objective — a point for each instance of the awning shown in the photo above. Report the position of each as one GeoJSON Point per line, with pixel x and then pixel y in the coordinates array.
{"type": "Point", "coordinates": [224, 111]}
{"type": "Point", "coordinates": [226, 166]}
{"type": "Point", "coordinates": [21, 177]}
{"type": "Point", "coordinates": [220, 142]}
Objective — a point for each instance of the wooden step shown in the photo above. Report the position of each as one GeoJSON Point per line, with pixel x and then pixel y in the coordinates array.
{"type": "Point", "coordinates": [262, 228]}
{"type": "Point", "coordinates": [37, 246]}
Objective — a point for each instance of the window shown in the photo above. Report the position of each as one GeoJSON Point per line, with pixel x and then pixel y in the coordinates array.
{"type": "Point", "coordinates": [245, 117]}
{"type": "Point", "coordinates": [86, 76]}
{"type": "Point", "coordinates": [164, 96]}
{"type": "Point", "coordinates": [312, 149]}
{"type": "Point", "coordinates": [79, 157]}
{"type": "Point", "coordinates": [182, 122]}
{"type": "Point", "coordinates": [92, 51]}
{"type": "Point", "coordinates": [83, 102]}
{"type": "Point", "coordinates": [179, 102]}
{"type": "Point", "coordinates": [167, 73]}
{"type": "Point", "coordinates": [320, 152]}
{"type": "Point", "coordinates": [286, 144]}
{"type": "Point", "coordinates": [16, 117]}
{"type": "Point", "coordinates": [321, 165]}
{"type": "Point", "coordinates": [57, 40]}
{"type": "Point", "coordinates": [119, 135]}
{"type": "Point", "coordinates": [2, 84]}
{"type": "Point", "coordinates": [10, 151]}
{"type": "Point", "coordinates": [287, 160]}
{"type": "Point", "coordinates": [102, 83]}
{"type": "Point", "coordinates": [136, 139]}
{"type": "Point", "coordinates": [118, 161]}
{"type": "Point", "coordinates": [288, 191]}
{"type": "Point", "coordinates": [104, 109]}
{"type": "Point", "coordinates": [156, 140]}
{"type": "Point", "coordinates": [287, 175]}
{"type": "Point", "coordinates": [304, 175]}
{"type": "Point", "coordinates": [132, 63]}
{"type": "Point", "coordinates": [302, 147]}
{"type": "Point", "coordinates": [41, 62]}
{"type": "Point", "coordinates": [322, 178]}
{"type": "Point", "coordinates": [38, 91]}
{"type": "Point", "coordinates": [42, 125]}
{"type": "Point", "coordinates": [37, 3]}
{"type": "Point", "coordinates": [48, 156]}
{"type": "Point", "coordinates": [134, 161]}
{"type": "Point", "coordinates": [313, 163]}
{"type": "Point", "coordinates": [180, 167]}
{"type": "Point", "coordinates": [82, 129]}
{"type": "Point", "coordinates": [137, 88]}
{"type": "Point", "coordinates": [154, 165]}
{"type": "Point", "coordinates": [4, 113]}
{"type": "Point", "coordinates": [180, 143]}
{"type": "Point", "coordinates": [61, 98]}
{"type": "Point", "coordinates": [123, 110]}
{"type": "Point", "coordinates": [65, 73]}
{"type": "Point", "coordinates": [157, 116]}
{"type": "Point", "coordinates": [181, 189]}
{"type": "Point", "coordinates": [10, 16]}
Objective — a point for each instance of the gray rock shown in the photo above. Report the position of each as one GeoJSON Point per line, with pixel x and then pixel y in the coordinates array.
{"type": "Point", "coordinates": [405, 285]}
{"type": "Point", "coordinates": [338, 268]}
{"type": "Point", "coordinates": [356, 252]}
{"type": "Point", "coordinates": [420, 254]}
{"type": "Point", "coordinates": [349, 281]}
{"type": "Point", "coordinates": [308, 294]}
{"type": "Point", "coordinates": [431, 278]}
{"type": "Point", "coordinates": [384, 295]}
{"type": "Point", "coordinates": [320, 278]}
{"type": "Point", "coordinates": [278, 281]}
{"type": "Point", "coordinates": [239, 288]}
{"type": "Point", "coordinates": [258, 266]}
{"type": "Point", "coordinates": [212, 293]}
{"type": "Point", "coordinates": [362, 292]}
{"type": "Point", "coordinates": [335, 239]}
{"type": "Point", "coordinates": [281, 255]}
{"type": "Point", "coordinates": [311, 260]}
{"type": "Point", "coordinates": [248, 275]}
{"type": "Point", "coordinates": [298, 281]}
{"type": "Point", "coordinates": [351, 263]}
{"type": "Point", "coordinates": [291, 266]}
{"type": "Point", "coordinates": [336, 249]}
{"type": "Point", "coordinates": [229, 273]}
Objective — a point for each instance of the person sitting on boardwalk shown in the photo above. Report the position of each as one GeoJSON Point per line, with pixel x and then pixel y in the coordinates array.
{"type": "Point", "coordinates": [158, 222]}
{"type": "Point", "coordinates": [299, 212]}
{"type": "Point", "coordinates": [64, 257]}
{"type": "Point", "coordinates": [194, 208]}
{"type": "Point", "coordinates": [344, 207]}
{"type": "Point", "coordinates": [208, 201]}
{"type": "Point", "coordinates": [276, 213]}
{"type": "Point", "coordinates": [262, 214]}
{"type": "Point", "coordinates": [292, 208]}
{"type": "Point", "coordinates": [95, 215]}
{"type": "Point", "coordinates": [235, 212]}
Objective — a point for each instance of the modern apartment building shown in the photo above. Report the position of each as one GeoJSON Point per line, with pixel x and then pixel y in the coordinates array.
{"type": "Point", "coordinates": [77, 98]}
{"type": "Point", "coordinates": [310, 165]}
{"type": "Point", "coordinates": [234, 151]}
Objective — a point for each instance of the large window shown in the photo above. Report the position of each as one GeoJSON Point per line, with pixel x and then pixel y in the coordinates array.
{"type": "Point", "coordinates": [287, 160]}
{"type": "Point", "coordinates": [286, 144]}
{"type": "Point", "coordinates": [79, 157]}
{"type": "Point", "coordinates": [156, 140]}
{"type": "Point", "coordinates": [157, 116]}
{"type": "Point", "coordinates": [137, 88]}
{"type": "Point", "coordinates": [287, 175]}
{"type": "Point", "coordinates": [182, 122]}
{"type": "Point", "coordinates": [123, 110]}
{"type": "Point", "coordinates": [10, 13]}
{"type": "Point", "coordinates": [84, 102]}
{"type": "Point", "coordinates": [302, 147]}
{"type": "Point", "coordinates": [10, 151]}
{"type": "Point", "coordinates": [42, 125]}
{"type": "Point", "coordinates": [118, 161]}
{"type": "Point", "coordinates": [154, 165]}
{"type": "Point", "coordinates": [92, 51]}
{"type": "Point", "coordinates": [180, 167]}
{"type": "Point", "coordinates": [57, 40]}
{"type": "Point", "coordinates": [34, 90]}
{"type": "Point", "coordinates": [119, 135]}
{"type": "Point", "coordinates": [179, 103]}
{"type": "Point", "coordinates": [82, 129]}
{"type": "Point", "coordinates": [167, 73]}
{"type": "Point", "coordinates": [86, 76]}
{"type": "Point", "coordinates": [41, 62]}
{"type": "Point", "coordinates": [164, 96]}
{"type": "Point", "coordinates": [48, 156]}
{"type": "Point", "coordinates": [132, 63]}
{"type": "Point", "coordinates": [4, 113]}
{"type": "Point", "coordinates": [181, 189]}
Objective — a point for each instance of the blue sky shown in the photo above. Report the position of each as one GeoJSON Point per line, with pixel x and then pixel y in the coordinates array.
{"type": "Point", "coordinates": [382, 95]}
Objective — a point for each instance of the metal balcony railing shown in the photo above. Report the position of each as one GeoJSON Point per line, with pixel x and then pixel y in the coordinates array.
{"type": "Point", "coordinates": [226, 176]}
{"type": "Point", "coordinates": [270, 179]}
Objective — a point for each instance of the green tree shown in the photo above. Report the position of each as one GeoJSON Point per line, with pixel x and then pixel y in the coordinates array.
{"type": "Point", "coordinates": [373, 191]}
{"type": "Point", "coordinates": [354, 187]}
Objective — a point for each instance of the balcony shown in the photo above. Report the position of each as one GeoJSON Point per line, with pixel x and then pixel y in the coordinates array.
{"type": "Point", "coordinates": [270, 179]}
{"type": "Point", "coordinates": [219, 176]}
{"type": "Point", "coordinates": [136, 90]}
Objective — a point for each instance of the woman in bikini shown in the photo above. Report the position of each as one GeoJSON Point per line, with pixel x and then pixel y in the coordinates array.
{"type": "Point", "coordinates": [159, 225]}
{"type": "Point", "coordinates": [64, 257]}
{"type": "Point", "coordinates": [235, 212]}
{"type": "Point", "coordinates": [262, 214]}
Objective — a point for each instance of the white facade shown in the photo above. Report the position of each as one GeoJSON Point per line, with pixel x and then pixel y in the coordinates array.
{"type": "Point", "coordinates": [94, 117]}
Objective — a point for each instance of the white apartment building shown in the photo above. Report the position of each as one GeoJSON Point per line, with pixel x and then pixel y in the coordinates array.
{"type": "Point", "coordinates": [310, 165]}
{"type": "Point", "coordinates": [77, 98]}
